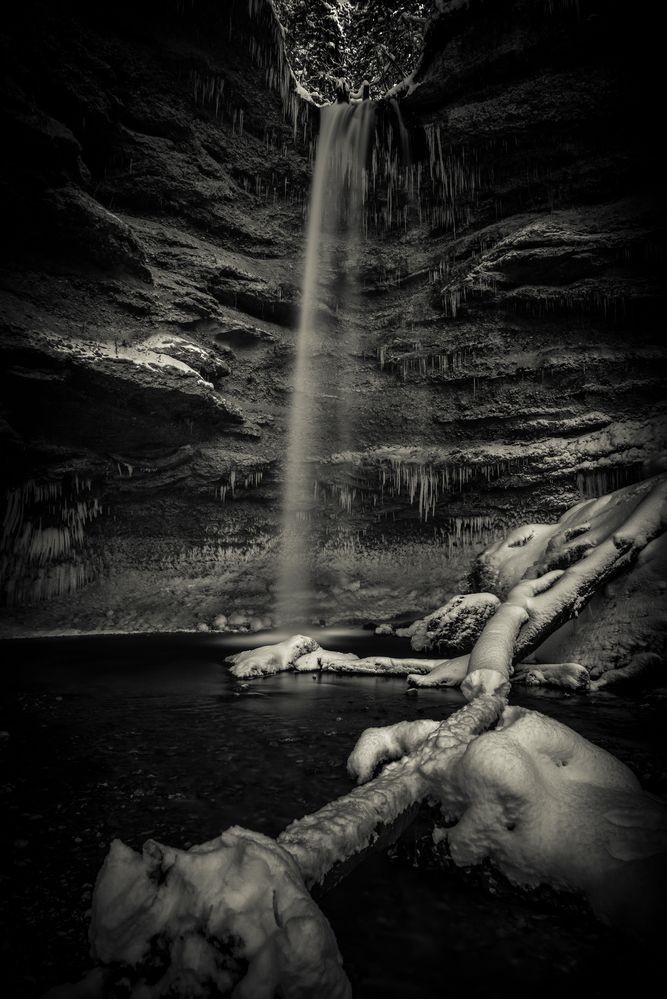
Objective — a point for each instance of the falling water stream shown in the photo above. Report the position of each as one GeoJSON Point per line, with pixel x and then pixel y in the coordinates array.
{"type": "Point", "coordinates": [321, 414]}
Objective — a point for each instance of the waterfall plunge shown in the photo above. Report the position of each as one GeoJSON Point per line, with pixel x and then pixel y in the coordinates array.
{"type": "Point", "coordinates": [321, 414]}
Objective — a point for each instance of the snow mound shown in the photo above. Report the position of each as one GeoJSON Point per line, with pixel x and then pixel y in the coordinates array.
{"type": "Point", "coordinates": [547, 806]}
{"type": "Point", "coordinates": [268, 659]}
{"type": "Point", "coordinates": [227, 917]}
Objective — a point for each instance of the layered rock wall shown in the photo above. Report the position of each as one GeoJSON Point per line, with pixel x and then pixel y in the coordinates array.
{"type": "Point", "coordinates": [509, 357]}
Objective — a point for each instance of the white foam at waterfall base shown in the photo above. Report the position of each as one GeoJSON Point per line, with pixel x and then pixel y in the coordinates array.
{"type": "Point", "coordinates": [338, 196]}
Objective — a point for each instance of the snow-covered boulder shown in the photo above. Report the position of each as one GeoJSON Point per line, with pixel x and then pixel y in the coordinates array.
{"type": "Point", "coordinates": [227, 917]}
{"type": "Point", "coordinates": [268, 659]}
{"type": "Point", "coordinates": [323, 659]}
{"type": "Point", "coordinates": [454, 628]}
{"type": "Point", "coordinates": [547, 806]}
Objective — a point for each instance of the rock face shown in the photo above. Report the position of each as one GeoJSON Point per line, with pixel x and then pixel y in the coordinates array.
{"type": "Point", "coordinates": [154, 191]}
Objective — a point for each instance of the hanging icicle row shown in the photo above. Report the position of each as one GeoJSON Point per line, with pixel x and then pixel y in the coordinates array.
{"type": "Point", "coordinates": [423, 485]}
{"type": "Point", "coordinates": [234, 481]}
{"type": "Point", "coordinates": [43, 534]}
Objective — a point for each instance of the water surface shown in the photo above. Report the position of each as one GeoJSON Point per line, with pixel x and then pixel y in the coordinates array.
{"type": "Point", "coordinates": [138, 736]}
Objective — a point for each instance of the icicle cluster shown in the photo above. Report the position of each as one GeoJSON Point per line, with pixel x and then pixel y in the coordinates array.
{"type": "Point", "coordinates": [552, 6]}
{"type": "Point", "coordinates": [440, 191]}
{"type": "Point", "coordinates": [424, 361]}
{"type": "Point", "coordinates": [553, 301]}
{"type": "Point", "coordinates": [215, 554]}
{"type": "Point", "coordinates": [423, 485]}
{"type": "Point", "coordinates": [209, 90]}
{"type": "Point", "coordinates": [42, 537]}
{"type": "Point", "coordinates": [235, 480]}
{"type": "Point", "coordinates": [267, 49]}
{"type": "Point", "coordinates": [467, 532]}
{"type": "Point", "coordinates": [594, 482]}
{"type": "Point", "coordinates": [455, 533]}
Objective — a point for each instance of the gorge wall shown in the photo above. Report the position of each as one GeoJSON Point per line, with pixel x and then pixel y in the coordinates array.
{"type": "Point", "coordinates": [154, 190]}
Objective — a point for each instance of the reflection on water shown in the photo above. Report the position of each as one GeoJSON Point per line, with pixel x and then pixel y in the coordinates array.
{"type": "Point", "coordinates": [150, 736]}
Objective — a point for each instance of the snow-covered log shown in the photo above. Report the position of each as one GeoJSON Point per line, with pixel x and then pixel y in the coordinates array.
{"type": "Point", "coordinates": [233, 916]}
{"type": "Point", "coordinates": [490, 664]}
{"type": "Point", "coordinates": [304, 655]}
{"type": "Point", "coordinates": [345, 662]}
{"type": "Point", "coordinates": [578, 583]}
{"type": "Point", "coordinates": [595, 542]}
{"type": "Point", "coordinates": [350, 824]}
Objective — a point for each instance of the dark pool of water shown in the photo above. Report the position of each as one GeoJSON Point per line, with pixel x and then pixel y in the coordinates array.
{"type": "Point", "coordinates": [149, 736]}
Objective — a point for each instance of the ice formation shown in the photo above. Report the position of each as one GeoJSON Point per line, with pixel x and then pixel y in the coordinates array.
{"type": "Point", "coordinates": [424, 483]}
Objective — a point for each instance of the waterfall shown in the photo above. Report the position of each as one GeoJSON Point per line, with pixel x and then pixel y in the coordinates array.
{"type": "Point", "coordinates": [321, 412]}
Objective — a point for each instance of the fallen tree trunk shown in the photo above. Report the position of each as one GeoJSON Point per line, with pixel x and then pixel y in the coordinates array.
{"type": "Point", "coordinates": [568, 591]}
{"type": "Point", "coordinates": [160, 919]}
{"type": "Point", "coordinates": [350, 824]}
